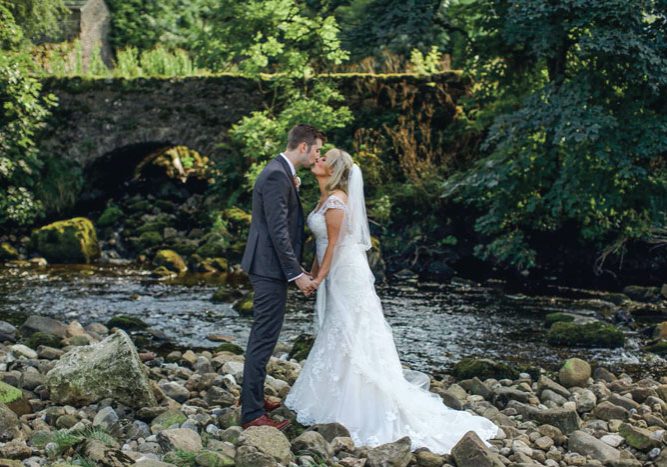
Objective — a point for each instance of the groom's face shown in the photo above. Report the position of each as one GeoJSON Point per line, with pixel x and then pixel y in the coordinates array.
{"type": "Point", "coordinates": [312, 155]}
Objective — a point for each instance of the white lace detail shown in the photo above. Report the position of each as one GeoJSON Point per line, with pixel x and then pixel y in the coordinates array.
{"type": "Point", "coordinates": [353, 374]}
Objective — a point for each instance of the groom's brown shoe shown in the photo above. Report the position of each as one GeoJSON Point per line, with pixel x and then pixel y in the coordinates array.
{"type": "Point", "coordinates": [269, 405]}
{"type": "Point", "coordinates": [264, 420]}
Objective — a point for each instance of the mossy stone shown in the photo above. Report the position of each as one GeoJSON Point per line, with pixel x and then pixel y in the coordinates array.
{"type": "Point", "coordinates": [171, 260]}
{"type": "Point", "coordinates": [127, 323]}
{"type": "Point", "coordinates": [110, 216]}
{"type": "Point", "coordinates": [8, 252]}
{"type": "Point", "coordinates": [552, 318]}
{"type": "Point", "coordinates": [140, 206]}
{"type": "Point", "coordinates": [483, 368]}
{"type": "Point", "coordinates": [167, 419]}
{"type": "Point", "coordinates": [301, 347]}
{"type": "Point", "coordinates": [229, 347]}
{"type": "Point", "coordinates": [44, 338]}
{"type": "Point", "coordinates": [68, 241]}
{"type": "Point", "coordinates": [9, 394]}
{"type": "Point", "coordinates": [595, 334]}
{"type": "Point", "coordinates": [214, 459]}
{"type": "Point", "coordinates": [213, 265]}
{"type": "Point", "coordinates": [149, 240]}
{"type": "Point", "coordinates": [659, 347]}
{"type": "Point", "coordinates": [244, 306]}
{"type": "Point", "coordinates": [225, 294]}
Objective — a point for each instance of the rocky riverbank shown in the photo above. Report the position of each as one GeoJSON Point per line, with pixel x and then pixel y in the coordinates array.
{"type": "Point", "coordinates": [71, 395]}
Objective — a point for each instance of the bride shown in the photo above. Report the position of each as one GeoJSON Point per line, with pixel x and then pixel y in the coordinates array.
{"type": "Point", "coordinates": [353, 374]}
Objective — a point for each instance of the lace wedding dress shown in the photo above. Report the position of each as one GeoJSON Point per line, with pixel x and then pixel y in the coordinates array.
{"type": "Point", "coordinates": [353, 374]}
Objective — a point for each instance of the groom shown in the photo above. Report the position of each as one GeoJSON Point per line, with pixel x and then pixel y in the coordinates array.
{"type": "Point", "coordinates": [272, 260]}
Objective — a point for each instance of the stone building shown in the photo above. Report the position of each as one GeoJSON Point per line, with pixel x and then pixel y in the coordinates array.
{"type": "Point", "coordinates": [89, 21]}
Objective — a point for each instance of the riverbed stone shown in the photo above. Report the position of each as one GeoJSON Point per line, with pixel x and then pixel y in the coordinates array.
{"type": "Point", "coordinates": [574, 372]}
{"type": "Point", "coordinates": [44, 324]}
{"type": "Point", "coordinates": [167, 419]}
{"type": "Point", "coordinates": [483, 368]}
{"type": "Point", "coordinates": [638, 438]}
{"type": "Point", "coordinates": [396, 454]}
{"type": "Point", "coordinates": [268, 440]}
{"type": "Point", "coordinates": [565, 419]}
{"type": "Point", "coordinates": [594, 334]}
{"type": "Point", "coordinates": [108, 369]}
{"type": "Point", "coordinates": [585, 444]}
{"type": "Point", "coordinates": [67, 241]}
{"type": "Point", "coordinates": [170, 260]}
{"type": "Point", "coordinates": [180, 438]}
{"type": "Point", "coordinates": [9, 424]}
{"type": "Point", "coordinates": [470, 451]}
{"type": "Point", "coordinates": [312, 441]}
{"type": "Point", "coordinates": [605, 410]}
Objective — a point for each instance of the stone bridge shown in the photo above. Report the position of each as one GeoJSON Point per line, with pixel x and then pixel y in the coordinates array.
{"type": "Point", "coordinates": [116, 118]}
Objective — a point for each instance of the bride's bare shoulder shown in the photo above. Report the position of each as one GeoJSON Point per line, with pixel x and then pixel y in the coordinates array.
{"type": "Point", "coordinates": [340, 194]}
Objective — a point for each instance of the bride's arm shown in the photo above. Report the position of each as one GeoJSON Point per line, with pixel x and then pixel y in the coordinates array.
{"type": "Point", "coordinates": [314, 269]}
{"type": "Point", "coordinates": [334, 218]}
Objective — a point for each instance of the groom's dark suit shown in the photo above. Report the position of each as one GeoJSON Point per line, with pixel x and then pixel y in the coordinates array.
{"type": "Point", "coordinates": [271, 258]}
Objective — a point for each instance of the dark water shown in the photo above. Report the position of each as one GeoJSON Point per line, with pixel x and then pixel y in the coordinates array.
{"type": "Point", "coordinates": [434, 325]}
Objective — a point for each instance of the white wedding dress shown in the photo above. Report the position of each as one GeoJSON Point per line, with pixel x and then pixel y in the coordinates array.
{"type": "Point", "coordinates": [353, 374]}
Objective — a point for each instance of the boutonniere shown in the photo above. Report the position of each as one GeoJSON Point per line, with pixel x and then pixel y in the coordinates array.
{"type": "Point", "coordinates": [297, 182]}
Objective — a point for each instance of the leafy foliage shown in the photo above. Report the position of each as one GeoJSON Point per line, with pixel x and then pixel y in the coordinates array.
{"type": "Point", "coordinates": [23, 112]}
{"type": "Point", "coordinates": [584, 141]}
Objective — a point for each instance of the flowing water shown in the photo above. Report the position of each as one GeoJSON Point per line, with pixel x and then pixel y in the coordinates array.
{"type": "Point", "coordinates": [434, 324]}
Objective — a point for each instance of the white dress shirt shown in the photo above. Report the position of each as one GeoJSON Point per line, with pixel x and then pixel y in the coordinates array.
{"type": "Point", "coordinates": [293, 170]}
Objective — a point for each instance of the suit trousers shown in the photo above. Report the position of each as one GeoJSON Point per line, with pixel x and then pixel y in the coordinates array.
{"type": "Point", "coordinates": [268, 315]}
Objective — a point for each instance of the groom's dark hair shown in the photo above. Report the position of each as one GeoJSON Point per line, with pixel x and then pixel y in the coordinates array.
{"type": "Point", "coordinates": [303, 134]}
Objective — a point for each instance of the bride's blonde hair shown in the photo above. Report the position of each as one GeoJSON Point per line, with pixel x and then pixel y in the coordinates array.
{"type": "Point", "coordinates": [340, 163]}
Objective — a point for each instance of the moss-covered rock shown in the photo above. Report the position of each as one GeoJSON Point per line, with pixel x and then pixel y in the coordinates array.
{"type": "Point", "coordinates": [8, 252]}
{"type": "Point", "coordinates": [167, 419]}
{"type": "Point", "coordinates": [483, 368]}
{"type": "Point", "coordinates": [140, 205]}
{"type": "Point", "coordinates": [148, 240]}
{"type": "Point", "coordinates": [68, 241]}
{"type": "Point", "coordinates": [109, 369]}
{"type": "Point", "coordinates": [301, 347]}
{"type": "Point", "coordinates": [244, 306]}
{"type": "Point", "coordinates": [44, 338]}
{"type": "Point", "coordinates": [128, 323]}
{"type": "Point", "coordinates": [214, 245]}
{"type": "Point", "coordinates": [9, 394]}
{"type": "Point", "coordinates": [110, 216]}
{"type": "Point", "coordinates": [170, 260]}
{"type": "Point", "coordinates": [595, 334]}
{"type": "Point", "coordinates": [213, 265]}
{"type": "Point", "coordinates": [229, 347]}
{"type": "Point", "coordinates": [659, 347]}
{"type": "Point", "coordinates": [161, 272]}
{"type": "Point", "coordinates": [226, 294]}
{"type": "Point", "coordinates": [552, 318]}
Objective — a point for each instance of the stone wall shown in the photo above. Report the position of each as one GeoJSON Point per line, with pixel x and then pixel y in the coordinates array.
{"type": "Point", "coordinates": [98, 116]}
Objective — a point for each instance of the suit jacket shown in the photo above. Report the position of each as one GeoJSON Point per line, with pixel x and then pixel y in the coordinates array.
{"type": "Point", "coordinates": [276, 235]}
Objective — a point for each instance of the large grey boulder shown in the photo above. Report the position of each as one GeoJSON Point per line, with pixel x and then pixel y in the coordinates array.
{"type": "Point", "coordinates": [269, 441]}
{"type": "Point", "coordinates": [312, 441]}
{"type": "Point", "coordinates": [588, 445]}
{"type": "Point", "coordinates": [471, 451]}
{"type": "Point", "coordinates": [45, 324]}
{"type": "Point", "coordinates": [108, 369]}
{"type": "Point", "coordinates": [396, 454]}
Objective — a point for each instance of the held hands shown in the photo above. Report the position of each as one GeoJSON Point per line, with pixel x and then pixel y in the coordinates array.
{"type": "Point", "coordinates": [307, 284]}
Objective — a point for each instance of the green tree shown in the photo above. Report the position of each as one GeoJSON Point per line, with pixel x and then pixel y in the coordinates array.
{"type": "Point", "coordinates": [36, 18]}
{"type": "Point", "coordinates": [293, 44]}
{"type": "Point", "coordinates": [577, 93]}
{"type": "Point", "coordinates": [24, 109]}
